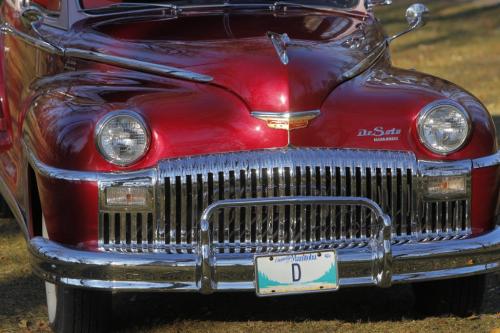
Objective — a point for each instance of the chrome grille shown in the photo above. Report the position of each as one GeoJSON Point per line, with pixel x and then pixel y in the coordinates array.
{"type": "Point", "coordinates": [185, 187]}
{"type": "Point", "coordinates": [127, 231]}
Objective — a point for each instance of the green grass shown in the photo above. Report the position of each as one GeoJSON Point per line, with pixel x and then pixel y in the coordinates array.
{"type": "Point", "coordinates": [462, 44]}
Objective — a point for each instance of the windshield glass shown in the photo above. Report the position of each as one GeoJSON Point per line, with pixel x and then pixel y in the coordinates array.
{"type": "Point", "coordinates": [95, 4]}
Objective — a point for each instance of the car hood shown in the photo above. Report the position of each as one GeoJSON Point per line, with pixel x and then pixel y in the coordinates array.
{"type": "Point", "coordinates": [236, 50]}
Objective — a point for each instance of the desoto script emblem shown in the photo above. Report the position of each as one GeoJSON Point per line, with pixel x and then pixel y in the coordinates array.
{"type": "Point", "coordinates": [381, 134]}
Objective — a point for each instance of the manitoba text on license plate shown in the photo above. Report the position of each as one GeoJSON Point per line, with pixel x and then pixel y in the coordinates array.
{"type": "Point", "coordinates": [296, 273]}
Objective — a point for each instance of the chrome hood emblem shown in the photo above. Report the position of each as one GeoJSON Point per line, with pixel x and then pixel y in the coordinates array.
{"type": "Point", "coordinates": [280, 43]}
{"type": "Point", "coordinates": [287, 121]}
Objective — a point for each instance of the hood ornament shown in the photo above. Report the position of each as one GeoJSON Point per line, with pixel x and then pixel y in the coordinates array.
{"type": "Point", "coordinates": [280, 43]}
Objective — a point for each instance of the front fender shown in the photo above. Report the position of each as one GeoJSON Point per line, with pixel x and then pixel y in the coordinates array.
{"type": "Point", "coordinates": [386, 101]}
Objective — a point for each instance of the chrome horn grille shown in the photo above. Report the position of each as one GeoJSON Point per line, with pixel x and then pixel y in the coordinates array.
{"type": "Point", "coordinates": [186, 187]}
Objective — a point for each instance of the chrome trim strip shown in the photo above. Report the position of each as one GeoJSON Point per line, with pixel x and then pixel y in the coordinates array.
{"type": "Point", "coordinates": [84, 176]}
{"type": "Point", "coordinates": [412, 262]}
{"type": "Point", "coordinates": [123, 62]}
{"type": "Point", "coordinates": [301, 115]}
{"type": "Point", "coordinates": [6, 28]}
{"type": "Point", "coordinates": [133, 64]}
{"type": "Point", "coordinates": [367, 62]}
{"type": "Point", "coordinates": [487, 161]}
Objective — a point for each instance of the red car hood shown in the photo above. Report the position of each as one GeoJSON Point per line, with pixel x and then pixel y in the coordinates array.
{"type": "Point", "coordinates": [236, 51]}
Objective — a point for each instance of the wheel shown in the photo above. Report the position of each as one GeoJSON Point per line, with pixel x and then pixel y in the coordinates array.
{"type": "Point", "coordinates": [72, 310]}
{"type": "Point", "coordinates": [461, 297]}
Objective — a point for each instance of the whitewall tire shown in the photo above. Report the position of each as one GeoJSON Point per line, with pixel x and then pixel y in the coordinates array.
{"type": "Point", "coordinates": [73, 310]}
{"type": "Point", "coordinates": [50, 288]}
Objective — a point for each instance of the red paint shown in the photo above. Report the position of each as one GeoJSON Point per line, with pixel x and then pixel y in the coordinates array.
{"type": "Point", "coordinates": [70, 210]}
{"type": "Point", "coordinates": [51, 5]}
{"type": "Point", "coordinates": [485, 198]}
{"type": "Point", "coordinates": [5, 136]}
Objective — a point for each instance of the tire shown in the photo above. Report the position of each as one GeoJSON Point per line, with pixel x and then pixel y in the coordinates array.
{"type": "Point", "coordinates": [73, 310]}
{"type": "Point", "coordinates": [460, 297]}
{"type": "Point", "coordinates": [4, 209]}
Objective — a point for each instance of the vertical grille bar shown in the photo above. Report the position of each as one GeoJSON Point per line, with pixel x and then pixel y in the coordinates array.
{"type": "Point", "coordinates": [404, 202]}
{"type": "Point", "coordinates": [194, 209]}
{"type": "Point", "coordinates": [237, 212]}
{"type": "Point", "coordinates": [323, 208]}
{"type": "Point", "coordinates": [303, 209]}
{"type": "Point", "coordinates": [364, 193]}
{"type": "Point", "coordinates": [281, 217]}
{"type": "Point", "coordinates": [248, 211]}
{"type": "Point", "coordinates": [133, 230]}
{"type": "Point", "coordinates": [374, 196]}
{"type": "Point", "coordinates": [258, 210]}
{"type": "Point", "coordinates": [394, 200]}
{"type": "Point", "coordinates": [122, 230]}
{"type": "Point", "coordinates": [183, 214]}
{"type": "Point", "coordinates": [352, 209]}
{"type": "Point", "coordinates": [294, 190]}
{"type": "Point", "coordinates": [343, 192]}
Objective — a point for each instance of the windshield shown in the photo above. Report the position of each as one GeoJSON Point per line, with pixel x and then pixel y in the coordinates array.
{"type": "Point", "coordinates": [95, 4]}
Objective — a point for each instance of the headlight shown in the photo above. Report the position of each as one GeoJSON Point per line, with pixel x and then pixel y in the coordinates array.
{"type": "Point", "coordinates": [443, 127]}
{"type": "Point", "coordinates": [122, 137]}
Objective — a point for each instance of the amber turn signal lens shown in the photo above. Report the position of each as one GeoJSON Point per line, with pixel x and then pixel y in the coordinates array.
{"type": "Point", "coordinates": [124, 196]}
{"type": "Point", "coordinates": [446, 186]}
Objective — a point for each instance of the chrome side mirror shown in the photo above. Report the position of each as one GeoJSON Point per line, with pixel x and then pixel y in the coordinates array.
{"type": "Point", "coordinates": [416, 16]}
{"type": "Point", "coordinates": [374, 3]}
{"type": "Point", "coordinates": [31, 18]}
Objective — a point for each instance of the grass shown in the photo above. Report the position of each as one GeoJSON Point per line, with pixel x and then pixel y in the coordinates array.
{"type": "Point", "coordinates": [461, 44]}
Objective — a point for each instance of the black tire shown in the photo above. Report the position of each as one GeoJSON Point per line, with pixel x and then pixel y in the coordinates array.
{"type": "Point", "coordinates": [460, 297]}
{"type": "Point", "coordinates": [4, 209]}
{"type": "Point", "coordinates": [82, 311]}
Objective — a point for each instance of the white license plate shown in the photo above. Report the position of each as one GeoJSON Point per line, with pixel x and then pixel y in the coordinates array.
{"type": "Point", "coordinates": [296, 273]}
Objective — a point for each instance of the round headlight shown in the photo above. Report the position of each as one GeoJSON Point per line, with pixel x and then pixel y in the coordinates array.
{"type": "Point", "coordinates": [443, 127]}
{"type": "Point", "coordinates": [122, 137]}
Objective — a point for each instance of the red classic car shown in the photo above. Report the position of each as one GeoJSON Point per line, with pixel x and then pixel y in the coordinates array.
{"type": "Point", "coordinates": [210, 146]}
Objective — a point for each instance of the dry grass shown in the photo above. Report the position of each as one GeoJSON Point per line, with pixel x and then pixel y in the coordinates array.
{"type": "Point", "coordinates": [460, 44]}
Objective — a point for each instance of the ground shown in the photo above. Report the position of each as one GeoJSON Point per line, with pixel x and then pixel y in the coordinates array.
{"type": "Point", "coordinates": [461, 44]}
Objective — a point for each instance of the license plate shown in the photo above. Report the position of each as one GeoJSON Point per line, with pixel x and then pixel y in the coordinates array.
{"type": "Point", "coordinates": [296, 273]}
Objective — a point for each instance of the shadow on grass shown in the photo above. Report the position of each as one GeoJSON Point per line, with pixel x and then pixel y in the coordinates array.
{"type": "Point", "coordinates": [9, 227]}
{"type": "Point", "coordinates": [20, 295]}
{"type": "Point", "coordinates": [143, 311]}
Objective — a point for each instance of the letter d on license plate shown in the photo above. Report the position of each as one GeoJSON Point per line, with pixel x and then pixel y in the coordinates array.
{"type": "Point", "coordinates": [296, 273]}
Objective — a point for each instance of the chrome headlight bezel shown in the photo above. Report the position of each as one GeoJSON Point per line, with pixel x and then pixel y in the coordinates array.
{"type": "Point", "coordinates": [428, 110]}
{"type": "Point", "coordinates": [101, 125]}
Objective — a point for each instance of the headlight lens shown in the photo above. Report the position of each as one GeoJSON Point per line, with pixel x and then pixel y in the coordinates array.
{"type": "Point", "coordinates": [443, 127]}
{"type": "Point", "coordinates": [122, 137]}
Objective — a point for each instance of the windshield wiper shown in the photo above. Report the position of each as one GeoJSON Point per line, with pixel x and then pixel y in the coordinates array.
{"type": "Point", "coordinates": [139, 7]}
{"type": "Point", "coordinates": [131, 6]}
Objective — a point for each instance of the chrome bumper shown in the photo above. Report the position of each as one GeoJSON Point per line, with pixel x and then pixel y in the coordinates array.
{"type": "Point", "coordinates": [378, 264]}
